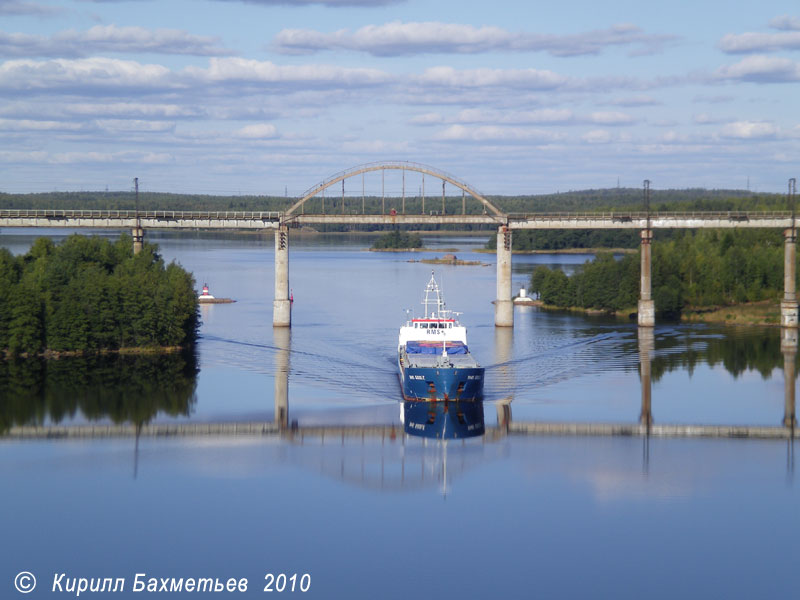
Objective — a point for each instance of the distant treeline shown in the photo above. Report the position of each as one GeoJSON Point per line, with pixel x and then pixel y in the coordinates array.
{"type": "Point", "coordinates": [697, 269]}
{"type": "Point", "coordinates": [397, 239]}
{"type": "Point", "coordinates": [89, 294]}
{"type": "Point", "coordinates": [632, 200]}
{"type": "Point", "coordinates": [562, 239]}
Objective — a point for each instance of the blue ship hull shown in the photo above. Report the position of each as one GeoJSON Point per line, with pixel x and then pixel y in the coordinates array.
{"type": "Point", "coordinates": [438, 383]}
{"type": "Point", "coordinates": [443, 420]}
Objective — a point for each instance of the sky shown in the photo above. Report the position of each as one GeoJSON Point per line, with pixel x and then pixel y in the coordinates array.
{"type": "Point", "coordinates": [273, 96]}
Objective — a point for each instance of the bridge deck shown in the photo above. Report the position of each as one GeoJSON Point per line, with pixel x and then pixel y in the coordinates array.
{"type": "Point", "coordinates": [127, 219]}
{"type": "Point", "coordinates": [655, 220]}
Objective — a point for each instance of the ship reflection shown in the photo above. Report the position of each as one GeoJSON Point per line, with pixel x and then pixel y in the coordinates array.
{"type": "Point", "coordinates": [443, 420]}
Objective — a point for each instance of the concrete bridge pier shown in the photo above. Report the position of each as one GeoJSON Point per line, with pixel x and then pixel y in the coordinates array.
{"type": "Point", "coordinates": [647, 310]}
{"type": "Point", "coordinates": [789, 303]}
{"type": "Point", "coordinates": [282, 306]}
{"type": "Point", "coordinates": [789, 350]}
{"type": "Point", "coordinates": [282, 336]}
{"type": "Point", "coordinates": [503, 306]}
{"type": "Point", "coordinates": [503, 354]}
{"type": "Point", "coordinates": [646, 340]}
{"type": "Point", "coordinates": [138, 239]}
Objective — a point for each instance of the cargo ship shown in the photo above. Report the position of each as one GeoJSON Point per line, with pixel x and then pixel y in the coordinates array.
{"type": "Point", "coordinates": [433, 356]}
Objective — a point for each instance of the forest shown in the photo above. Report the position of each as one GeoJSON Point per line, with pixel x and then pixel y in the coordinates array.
{"type": "Point", "coordinates": [88, 294]}
{"type": "Point", "coordinates": [694, 269]}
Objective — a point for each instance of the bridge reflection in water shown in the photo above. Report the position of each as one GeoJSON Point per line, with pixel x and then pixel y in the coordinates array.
{"type": "Point", "coordinates": [414, 453]}
{"type": "Point", "coordinates": [462, 417]}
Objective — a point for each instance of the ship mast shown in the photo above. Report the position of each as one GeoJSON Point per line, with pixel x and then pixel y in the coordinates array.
{"type": "Point", "coordinates": [433, 297]}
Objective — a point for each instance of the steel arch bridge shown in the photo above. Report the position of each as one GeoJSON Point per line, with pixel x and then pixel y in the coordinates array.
{"type": "Point", "coordinates": [393, 166]}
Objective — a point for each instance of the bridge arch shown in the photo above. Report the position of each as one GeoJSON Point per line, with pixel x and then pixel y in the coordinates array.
{"type": "Point", "coordinates": [396, 166]}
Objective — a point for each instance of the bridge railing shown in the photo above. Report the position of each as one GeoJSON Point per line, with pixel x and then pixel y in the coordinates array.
{"type": "Point", "coordinates": [630, 216]}
{"type": "Point", "coordinates": [149, 214]}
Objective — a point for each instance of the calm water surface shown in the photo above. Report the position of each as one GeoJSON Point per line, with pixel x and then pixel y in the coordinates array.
{"type": "Point", "coordinates": [400, 516]}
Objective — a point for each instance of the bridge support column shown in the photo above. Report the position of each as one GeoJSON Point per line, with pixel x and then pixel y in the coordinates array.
{"type": "Point", "coordinates": [647, 311]}
{"type": "Point", "coordinates": [503, 306]}
{"type": "Point", "coordinates": [789, 303]}
{"type": "Point", "coordinates": [789, 350]}
{"type": "Point", "coordinates": [138, 239]}
{"type": "Point", "coordinates": [283, 340]}
{"type": "Point", "coordinates": [503, 355]}
{"type": "Point", "coordinates": [282, 306]}
{"type": "Point", "coordinates": [646, 347]}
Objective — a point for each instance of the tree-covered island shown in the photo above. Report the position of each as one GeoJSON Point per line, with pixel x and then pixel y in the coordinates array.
{"type": "Point", "coordinates": [88, 294]}
{"type": "Point", "coordinates": [695, 271]}
{"type": "Point", "coordinates": [397, 240]}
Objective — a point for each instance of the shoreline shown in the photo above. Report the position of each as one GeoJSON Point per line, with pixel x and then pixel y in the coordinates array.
{"type": "Point", "coordinates": [765, 313]}
{"type": "Point", "coordinates": [412, 249]}
{"type": "Point", "coordinates": [566, 251]}
{"type": "Point", "coordinates": [127, 351]}
{"type": "Point", "coordinates": [457, 262]}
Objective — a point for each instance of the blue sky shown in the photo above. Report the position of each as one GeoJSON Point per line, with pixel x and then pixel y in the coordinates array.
{"type": "Point", "coordinates": [270, 97]}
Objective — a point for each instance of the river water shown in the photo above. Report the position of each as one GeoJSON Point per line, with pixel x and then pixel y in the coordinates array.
{"type": "Point", "coordinates": [400, 516]}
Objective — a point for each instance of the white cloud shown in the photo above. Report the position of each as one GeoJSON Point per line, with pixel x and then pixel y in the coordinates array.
{"type": "Point", "coordinates": [491, 133]}
{"type": "Point", "coordinates": [255, 71]}
{"type": "Point", "coordinates": [544, 116]}
{"type": "Point", "coordinates": [109, 38]}
{"type": "Point", "coordinates": [611, 118]}
{"type": "Point", "coordinates": [398, 39]}
{"type": "Point", "coordinates": [30, 125]}
{"type": "Point", "coordinates": [521, 80]}
{"type": "Point", "coordinates": [760, 42]}
{"type": "Point", "coordinates": [132, 110]}
{"type": "Point", "coordinates": [69, 158]}
{"type": "Point", "coordinates": [376, 147]}
{"type": "Point", "coordinates": [88, 76]}
{"type": "Point", "coordinates": [526, 78]}
{"type": "Point", "coordinates": [635, 101]}
{"type": "Point", "coordinates": [21, 7]}
{"type": "Point", "coordinates": [597, 136]}
{"type": "Point", "coordinates": [707, 119]}
{"type": "Point", "coordinates": [427, 119]}
{"type": "Point", "coordinates": [673, 137]}
{"type": "Point", "coordinates": [716, 99]}
{"type": "Point", "coordinates": [761, 69]}
{"type": "Point", "coordinates": [257, 131]}
{"type": "Point", "coordinates": [81, 74]}
{"type": "Point", "coordinates": [328, 3]}
{"type": "Point", "coordinates": [134, 126]}
{"type": "Point", "coordinates": [748, 130]}
{"type": "Point", "coordinates": [786, 23]}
